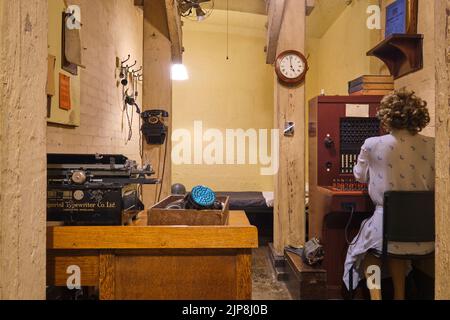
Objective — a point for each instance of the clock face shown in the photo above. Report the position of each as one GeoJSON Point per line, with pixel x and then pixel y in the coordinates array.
{"type": "Point", "coordinates": [292, 66]}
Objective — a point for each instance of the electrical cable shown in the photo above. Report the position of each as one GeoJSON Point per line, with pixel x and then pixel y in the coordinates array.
{"type": "Point", "coordinates": [228, 30]}
{"type": "Point", "coordinates": [163, 171]}
{"type": "Point", "coordinates": [130, 123]}
{"type": "Point", "coordinates": [159, 169]}
{"type": "Point", "coordinates": [141, 141]}
{"type": "Point", "coordinates": [348, 226]}
{"type": "Point", "coordinates": [141, 154]}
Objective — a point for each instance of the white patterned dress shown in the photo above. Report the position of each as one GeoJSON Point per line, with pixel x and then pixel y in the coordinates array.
{"type": "Point", "coordinates": [398, 161]}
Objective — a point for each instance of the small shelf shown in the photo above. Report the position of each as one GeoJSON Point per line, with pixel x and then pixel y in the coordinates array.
{"type": "Point", "coordinates": [402, 53]}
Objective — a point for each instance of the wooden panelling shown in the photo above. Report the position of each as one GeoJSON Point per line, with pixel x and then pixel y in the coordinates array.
{"type": "Point", "coordinates": [107, 278]}
{"type": "Point", "coordinates": [191, 276]}
{"type": "Point", "coordinates": [244, 275]}
{"type": "Point", "coordinates": [58, 262]}
{"type": "Point", "coordinates": [146, 237]}
{"type": "Point", "coordinates": [152, 237]}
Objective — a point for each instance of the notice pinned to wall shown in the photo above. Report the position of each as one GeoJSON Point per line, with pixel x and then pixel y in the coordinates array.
{"type": "Point", "coordinates": [61, 110]}
{"type": "Point", "coordinates": [64, 92]}
{"type": "Point", "coordinates": [357, 110]}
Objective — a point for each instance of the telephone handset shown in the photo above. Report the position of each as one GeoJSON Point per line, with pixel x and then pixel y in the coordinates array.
{"type": "Point", "coordinates": [155, 113]}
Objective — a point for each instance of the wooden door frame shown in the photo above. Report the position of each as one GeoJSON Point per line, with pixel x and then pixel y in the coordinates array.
{"type": "Point", "coordinates": [442, 62]}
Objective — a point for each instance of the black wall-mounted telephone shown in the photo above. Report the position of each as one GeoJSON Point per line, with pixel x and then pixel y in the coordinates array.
{"type": "Point", "coordinates": [154, 129]}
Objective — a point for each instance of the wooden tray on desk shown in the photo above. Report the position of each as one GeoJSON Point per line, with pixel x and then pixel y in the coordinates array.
{"type": "Point", "coordinates": [158, 215]}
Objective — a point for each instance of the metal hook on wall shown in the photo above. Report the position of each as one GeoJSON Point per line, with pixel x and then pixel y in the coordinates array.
{"type": "Point", "coordinates": [126, 60]}
{"type": "Point", "coordinates": [136, 71]}
{"type": "Point", "coordinates": [135, 63]}
{"type": "Point", "coordinates": [124, 71]}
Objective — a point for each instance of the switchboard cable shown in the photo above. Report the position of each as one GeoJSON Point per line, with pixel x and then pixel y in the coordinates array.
{"type": "Point", "coordinates": [163, 170]}
{"type": "Point", "coordinates": [347, 227]}
{"type": "Point", "coordinates": [228, 30]}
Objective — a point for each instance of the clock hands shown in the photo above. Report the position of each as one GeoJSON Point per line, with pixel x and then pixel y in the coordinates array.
{"type": "Point", "coordinates": [290, 59]}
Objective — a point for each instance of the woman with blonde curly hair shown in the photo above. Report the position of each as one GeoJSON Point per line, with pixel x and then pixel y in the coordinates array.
{"type": "Point", "coordinates": [402, 160]}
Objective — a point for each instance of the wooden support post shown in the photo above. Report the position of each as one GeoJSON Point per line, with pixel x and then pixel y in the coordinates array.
{"type": "Point", "coordinates": [157, 91]}
{"type": "Point", "coordinates": [289, 216]}
{"type": "Point", "coordinates": [23, 75]}
{"type": "Point", "coordinates": [442, 56]}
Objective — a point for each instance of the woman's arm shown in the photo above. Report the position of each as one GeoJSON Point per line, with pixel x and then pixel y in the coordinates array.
{"type": "Point", "coordinates": [361, 170]}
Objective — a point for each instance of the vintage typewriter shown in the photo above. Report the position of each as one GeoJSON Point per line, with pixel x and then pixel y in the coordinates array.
{"type": "Point", "coordinates": [95, 189]}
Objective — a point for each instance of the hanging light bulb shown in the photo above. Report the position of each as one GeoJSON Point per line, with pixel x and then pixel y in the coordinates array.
{"type": "Point", "coordinates": [179, 72]}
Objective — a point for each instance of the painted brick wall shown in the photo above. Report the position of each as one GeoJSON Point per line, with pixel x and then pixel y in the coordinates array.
{"type": "Point", "coordinates": [110, 28]}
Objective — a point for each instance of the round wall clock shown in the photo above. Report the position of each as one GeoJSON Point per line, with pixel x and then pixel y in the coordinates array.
{"type": "Point", "coordinates": [291, 67]}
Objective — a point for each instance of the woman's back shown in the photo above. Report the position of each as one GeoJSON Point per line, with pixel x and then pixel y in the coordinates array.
{"type": "Point", "coordinates": [398, 161]}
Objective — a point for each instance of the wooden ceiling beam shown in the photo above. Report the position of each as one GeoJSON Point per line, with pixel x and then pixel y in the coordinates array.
{"type": "Point", "coordinates": [175, 30]}
{"type": "Point", "coordinates": [174, 26]}
{"type": "Point", "coordinates": [275, 15]}
{"type": "Point", "coordinates": [310, 5]}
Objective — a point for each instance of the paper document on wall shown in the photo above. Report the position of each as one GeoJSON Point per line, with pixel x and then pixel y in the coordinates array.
{"type": "Point", "coordinates": [65, 102]}
{"type": "Point", "coordinates": [357, 110]}
{"type": "Point", "coordinates": [72, 48]}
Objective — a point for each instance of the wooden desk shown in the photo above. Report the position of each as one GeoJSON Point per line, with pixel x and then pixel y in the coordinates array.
{"type": "Point", "coordinates": [157, 262]}
{"type": "Point", "coordinates": [326, 200]}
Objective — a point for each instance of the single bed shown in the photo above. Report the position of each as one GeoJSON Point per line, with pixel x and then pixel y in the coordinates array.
{"type": "Point", "coordinates": [252, 201]}
{"type": "Point", "coordinates": [258, 207]}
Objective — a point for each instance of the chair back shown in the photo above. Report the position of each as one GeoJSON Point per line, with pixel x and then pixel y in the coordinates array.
{"type": "Point", "coordinates": [409, 216]}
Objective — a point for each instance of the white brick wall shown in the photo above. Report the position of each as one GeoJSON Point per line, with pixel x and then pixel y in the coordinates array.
{"type": "Point", "coordinates": [110, 28]}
